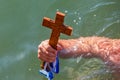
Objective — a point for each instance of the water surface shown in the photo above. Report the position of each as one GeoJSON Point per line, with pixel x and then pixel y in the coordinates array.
{"type": "Point", "coordinates": [21, 32]}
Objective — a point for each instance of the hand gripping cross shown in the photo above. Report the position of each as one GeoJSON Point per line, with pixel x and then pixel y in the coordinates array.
{"type": "Point", "coordinates": [57, 27]}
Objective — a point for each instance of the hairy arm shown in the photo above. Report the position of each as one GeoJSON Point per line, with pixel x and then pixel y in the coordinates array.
{"type": "Point", "coordinates": [101, 47]}
{"type": "Point", "coordinates": [74, 48]}
{"type": "Point", "coordinates": [104, 48]}
{"type": "Point", "coordinates": [86, 46]}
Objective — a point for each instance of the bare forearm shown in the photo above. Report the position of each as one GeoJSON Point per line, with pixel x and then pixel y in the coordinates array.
{"type": "Point", "coordinates": [88, 47]}
{"type": "Point", "coordinates": [75, 48]}
{"type": "Point", "coordinates": [104, 48]}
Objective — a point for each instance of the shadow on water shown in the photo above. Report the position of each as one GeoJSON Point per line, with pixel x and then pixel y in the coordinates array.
{"type": "Point", "coordinates": [21, 32]}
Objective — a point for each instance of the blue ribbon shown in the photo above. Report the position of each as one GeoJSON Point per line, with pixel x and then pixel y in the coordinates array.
{"type": "Point", "coordinates": [54, 68]}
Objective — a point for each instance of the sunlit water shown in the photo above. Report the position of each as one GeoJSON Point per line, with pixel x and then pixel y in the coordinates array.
{"type": "Point", "coordinates": [21, 32]}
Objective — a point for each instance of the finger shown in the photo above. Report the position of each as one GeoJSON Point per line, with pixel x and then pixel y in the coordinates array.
{"type": "Point", "coordinates": [51, 55]}
{"type": "Point", "coordinates": [45, 55]}
{"type": "Point", "coordinates": [47, 59]}
{"type": "Point", "coordinates": [39, 46]}
{"type": "Point", "coordinates": [43, 50]}
{"type": "Point", "coordinates": [39, 53]}
{"type": "Point", "coordinates": [50, 49]}
{"type": "Point", "coordinates": [42, 44]}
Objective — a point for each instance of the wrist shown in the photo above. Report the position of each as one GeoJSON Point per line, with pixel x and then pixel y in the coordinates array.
{"type": "Point", "coordinates": [68, 48]}
{"type": "Point", "coordinates": [75, 48]}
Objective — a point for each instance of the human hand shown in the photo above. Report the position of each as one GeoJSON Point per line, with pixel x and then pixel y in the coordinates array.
{"type": "Point", "coordinates": [46, 52]}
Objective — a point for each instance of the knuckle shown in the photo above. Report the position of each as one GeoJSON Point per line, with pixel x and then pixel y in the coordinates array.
{"type": "Point", "coordinates": [39, 57]}
{"type": "Point", "coordinates": [39, 46]}
{"type": "Point", "coordinates": [39, 51]}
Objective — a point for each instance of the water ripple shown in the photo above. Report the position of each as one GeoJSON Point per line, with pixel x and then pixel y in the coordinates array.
{"type": "Point", "coordinates": [106, 26]}
{"type": "Point", "coordinates": [101, 4]}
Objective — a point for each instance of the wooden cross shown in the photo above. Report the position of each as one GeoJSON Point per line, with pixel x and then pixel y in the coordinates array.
{"type": "Point", "coordinates": [57, 27]}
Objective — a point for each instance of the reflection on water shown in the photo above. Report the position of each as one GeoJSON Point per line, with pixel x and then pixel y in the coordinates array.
{"type": "Point", "coordinates": [21, 32]}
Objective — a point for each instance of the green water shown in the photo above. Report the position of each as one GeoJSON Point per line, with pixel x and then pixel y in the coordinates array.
{"type": "Point", "coordinates": [21, 32]}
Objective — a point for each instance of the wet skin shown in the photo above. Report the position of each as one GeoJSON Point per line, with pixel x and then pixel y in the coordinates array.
{"type": "Point", "coordinates": [106, 49]}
